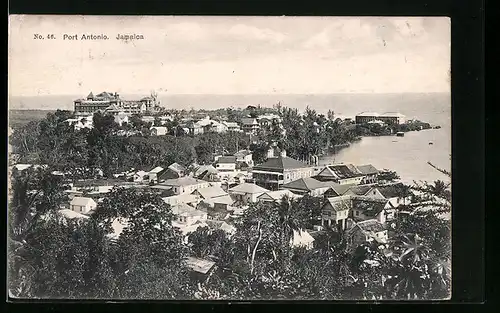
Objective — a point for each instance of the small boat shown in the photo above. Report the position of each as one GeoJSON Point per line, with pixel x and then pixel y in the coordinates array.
{"type": "Point", "coordinates": [400, 134]}
{"type": "Point", "coordinates": [431, 143]}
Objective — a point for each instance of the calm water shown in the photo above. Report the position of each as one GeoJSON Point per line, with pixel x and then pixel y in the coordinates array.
{"type": "Point", "coordinates": [407, 155]}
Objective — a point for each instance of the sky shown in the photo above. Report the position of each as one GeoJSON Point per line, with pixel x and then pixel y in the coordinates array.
{"type": "Point", "coordinates": [229, 55]}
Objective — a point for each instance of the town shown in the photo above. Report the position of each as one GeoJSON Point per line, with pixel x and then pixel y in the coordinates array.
{"type": "Point", "coordinates": [227, 172]}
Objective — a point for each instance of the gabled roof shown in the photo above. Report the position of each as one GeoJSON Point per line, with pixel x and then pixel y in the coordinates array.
{"type": "Point", "coordinates": [72, 214]}
{"type": "Point", "coordinates": [84, 201]}
{"type": "Point", "coordinates": [370, 207]}
{"type": "Point", "coordinates": [341, 203]}
{"type": "Point", "coordinates": [304, 184]}
{"type": "Point", "coordinates": [90, 96]}
{"type": "Point", "coordinates": [205, 169]}
{"type": "Point", "coordinates": [248, 188]}
{"type": "Point", "coordinates": [176, 167]}
{"type": "Point", "coordinates": [183, 209]}
{"type": "Point", "coordinates": [211, 192]}
{"type": "Point", "coordinates": [249, 121]}
{"type": "Point", "coordinates": [367, 169]}
{"type": "Point", "coordinates": [389, 191]}
{"type": "Point", "coordinates": [369, 226]}
{"type": "Point", "coordinates": [360, 190]}
{"type": "Point", "coordinates": [277, 194]}
{"type": "Point", "coordinates": [182, 181]}
{"type": "Point", "coordinates": [226, 159]}
{"type": "Point", "coordinates": [340, 189]}
{"type": "Point", "coordinates": [280, 163]}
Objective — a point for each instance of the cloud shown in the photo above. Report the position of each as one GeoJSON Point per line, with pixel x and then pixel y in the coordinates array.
{"type": "Point", "coordinates": [242, 31]}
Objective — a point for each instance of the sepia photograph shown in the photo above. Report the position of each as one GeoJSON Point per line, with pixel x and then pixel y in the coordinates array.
{"type": "Point", "coordinates": [229, 158]}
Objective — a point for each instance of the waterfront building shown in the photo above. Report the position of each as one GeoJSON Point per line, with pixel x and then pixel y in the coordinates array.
{"type": "Point", "coordinates": [390, 118]}
{"type": "Point", "coordinates": [341, 173]}
{"type": "Point", "coordinates": [277, 171]}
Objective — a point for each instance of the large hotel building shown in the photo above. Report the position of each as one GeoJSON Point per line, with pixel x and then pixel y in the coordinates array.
{"type": "Point", "coordinates": [112, 103]}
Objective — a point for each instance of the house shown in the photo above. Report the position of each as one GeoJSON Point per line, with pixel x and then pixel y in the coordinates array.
{"type": "Point", "coordinates": [222, 225]}
{"type": "Point", "coordinates": [276, 172]}
{"type": "Point", "coordinates": [366, 231]}
{"type": "Point", "coordinates": [250, 125]}
{"type": "Point", "coordinates": [389, 118]}
{"type": "Point", "coordinates": [121, 118]}
{"type": "Point", "coordinates": [226, 163]}
{"type": "Point", "coordinates": [308, 185]}
{"type": "Point", "coordinates": [194, 128]}
{"type": "Point", "coordinates": [174, 170]}
{"type": "Point", "coordinates": [370, 173]}
{"type": "Point", "coordinates": [336, 190]}
{"type": "Point", "coordinates": [244, 157]}
{"type": "Point", "coordinates": [70, 214]}
{"type": "Point", "coordinates": [277, 196]}
{"type": "Point", "coordinates": [201, 269]}
{"type": "Point", "coordinates": [154, 174]}
{"type": "Point", "coordinates": [206, 172]}
{"type": "Point", "coordinates": [359, 190]}
{"type": "Point", "coordinates": [341, 173]}
{"type": "Point", "coordinates": [209, 193]}
{"type": "Point", "coordinates": [140, 176]}
{"type": "Point", "coordinates": [232, 126]}
{"type": "Point", "coordinates": [219, 207]}
{"type": "Point", "coordinates": [335, 212]}
{"type": "Point", "coordinates": [165, 119]}
{"type": "Point", "coordinates": [391, 192]}
{"type": "Point", "coordinates": [184, 184]}
{"type": "Point", "coordinates": [82, 205]}
{"type": "Point", "coordinates": [82, 122]}
{"type": "Point", "coordinates": [184, 198]}
{"type": "Point", "coordinates": [302, 238]}
{"type": "Point", "coordinates": [246, 193]}
{"type": "Point", "coordinates": [366, 208]}
{"type": "Point", "coordinates": [148, 119]}
{"type": "Point", "coordinates": [159, 130]}
{"type": "Point", "coordinates": [187, 215]}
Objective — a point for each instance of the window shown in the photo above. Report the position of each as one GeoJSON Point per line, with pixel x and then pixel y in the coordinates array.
{"type": "Point", "coordinates": [357, 213]}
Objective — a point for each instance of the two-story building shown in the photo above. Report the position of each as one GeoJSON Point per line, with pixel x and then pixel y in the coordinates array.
{"type": "Point", "coordinates": [225, 163]}
{"type": "Point", "coordinates": [244, 158]}
{"type": "Point", "coordinates": [390, 118]}
{"type": "Point", "coordinates": [277, 171]}
{"type": "Point", "coordinates": [335, 212]}
{"type": "Point", "coordinates": [250, 125]}
{"type": "Point", "coordinates": [174, 170]}
{"type": "Point", "coordinates": [246, 193]}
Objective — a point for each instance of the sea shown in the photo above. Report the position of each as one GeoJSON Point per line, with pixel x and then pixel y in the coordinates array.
{"type": "Point", "coordinates": [407, 155]}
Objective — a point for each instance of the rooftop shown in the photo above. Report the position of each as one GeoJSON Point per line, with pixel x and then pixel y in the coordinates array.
{"type": "Point", "coordinates": [226, 159]}
{"type": "Point", "coordinates": [304, 184]}
{"type": "Point", "coordinates": [340, 203]}
{"type": "Point", "coordinates": [184, 209]}
{"type": "Point", "coordinates": [367, 169]}
{"type": "Point", "coordinates": [280, 163]}
{"type": "Point", "coordinates": [211, 192]}
{"type": "Point", "coordinates": [82, 201]}
{"type": "Point", "coordinates": [360, 190]}
{"type": "Point", "coordinates": [177, 167]}
{"type": "Point", "coordinates": [182, 181]}
{"type": "Point", "coordinates": [199, 265]}
{"type": "Point", "coordinates": [248, 188]}
{"type": "Point", "coordinates": [370, 226]}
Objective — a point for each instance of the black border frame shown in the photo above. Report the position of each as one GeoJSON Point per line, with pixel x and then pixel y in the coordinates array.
{"type": "Point", "coordinates": [468, 123]}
